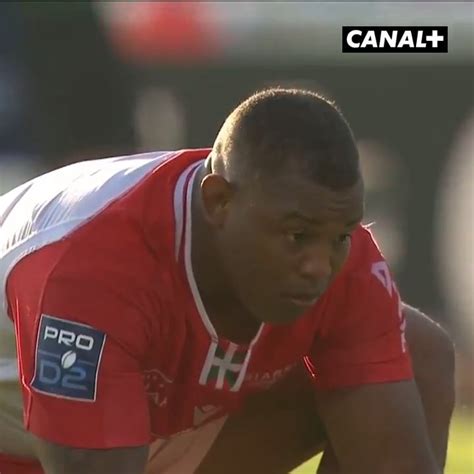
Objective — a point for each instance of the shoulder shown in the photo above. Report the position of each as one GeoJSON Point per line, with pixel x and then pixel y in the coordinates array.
{"type": "Point", "coordinates": [54, 205]}
{"type": "Point", "coordinates": [103, 265]}
{"type": "Point", "coordinates": [366, 283]}
{"type": "Point", "coordinates": [107, 203]}
{"type": "Point", "coordinates": [364, 251]}
{"type": "Point", "coordinates": [366, 262]}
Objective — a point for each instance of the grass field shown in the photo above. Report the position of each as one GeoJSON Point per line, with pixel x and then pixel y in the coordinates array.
{"type": "Point", "coordinates": [460, 451]}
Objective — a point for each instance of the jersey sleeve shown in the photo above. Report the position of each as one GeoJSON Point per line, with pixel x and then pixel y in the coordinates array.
{"type": "Point", "coordinates": [81, 340]}
{"type": "Point", "coordinates": [362, 340]}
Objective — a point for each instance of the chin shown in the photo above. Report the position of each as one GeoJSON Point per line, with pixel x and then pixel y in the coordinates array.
{"type": "Point", "coordinates": [280, 322]}
{"type": "Point", "coordinates": [281, 318]}
{"type": "Point", "coordinates": [278, 312]}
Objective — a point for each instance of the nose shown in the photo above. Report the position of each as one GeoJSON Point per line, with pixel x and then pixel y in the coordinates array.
{"type": "Point", "coordinates": [315, 265]}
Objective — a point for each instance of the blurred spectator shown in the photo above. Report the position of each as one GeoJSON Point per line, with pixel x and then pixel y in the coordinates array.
{"type": "Point", "coordinates": [165, 31]}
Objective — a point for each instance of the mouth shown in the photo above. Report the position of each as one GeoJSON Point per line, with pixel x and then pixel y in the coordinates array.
{"type": "Point", "coordinates": [302, 300]}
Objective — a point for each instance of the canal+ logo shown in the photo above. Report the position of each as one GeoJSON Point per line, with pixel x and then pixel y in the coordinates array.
{"type": "Point", "coordinates": [394, 39]}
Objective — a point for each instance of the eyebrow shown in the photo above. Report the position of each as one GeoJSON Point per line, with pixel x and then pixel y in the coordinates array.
{"type": "Point", "coordinates": [297, 215]}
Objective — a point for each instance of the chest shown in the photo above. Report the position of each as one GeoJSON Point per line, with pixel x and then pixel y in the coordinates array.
{"type": "Point", "coordinates": [192, 377]}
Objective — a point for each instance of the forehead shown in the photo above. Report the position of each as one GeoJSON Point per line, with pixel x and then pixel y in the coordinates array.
{"type": "Point", "coordinates": [287, 195]}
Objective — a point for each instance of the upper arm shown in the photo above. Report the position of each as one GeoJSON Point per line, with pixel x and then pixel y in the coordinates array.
{"type": "Point", "coordinates": [377, 428]}
{"type": "Point", "coordinates": [80, 347]}
{"type": "Point", "coordinates": [57, 459]}
{"type": "Point", "coordinates": [366, 394]}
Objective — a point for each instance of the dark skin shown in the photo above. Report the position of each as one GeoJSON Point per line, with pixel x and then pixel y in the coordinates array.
{"type": "Point", "coordinates": [280, 429]}
{"type": "Point", "coordinates": [263, 251]}
{"type": "Point", "coordinates": [255, 246]}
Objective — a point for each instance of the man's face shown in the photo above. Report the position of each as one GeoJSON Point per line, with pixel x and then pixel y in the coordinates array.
{"type": "Point", "coordinates": [282, 241]}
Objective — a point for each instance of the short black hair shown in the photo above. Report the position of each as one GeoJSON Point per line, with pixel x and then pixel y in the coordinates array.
{"type": "Point", "coordinates": [276, 128]}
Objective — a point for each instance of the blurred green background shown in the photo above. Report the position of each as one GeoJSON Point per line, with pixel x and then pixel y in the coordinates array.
{"type": "Point", "coordinates": [460, 451]}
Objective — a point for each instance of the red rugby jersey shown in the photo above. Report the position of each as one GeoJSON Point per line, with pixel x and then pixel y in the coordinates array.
{"type": "Point", "coordinates": [115, 346]}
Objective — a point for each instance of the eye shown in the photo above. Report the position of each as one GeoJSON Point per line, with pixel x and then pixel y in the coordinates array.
{"type": "Point", "coordinates": [297, 237]}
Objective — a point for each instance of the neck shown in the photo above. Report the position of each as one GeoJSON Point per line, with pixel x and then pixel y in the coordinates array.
{"type": "Point", "coordinates": [227, 314]}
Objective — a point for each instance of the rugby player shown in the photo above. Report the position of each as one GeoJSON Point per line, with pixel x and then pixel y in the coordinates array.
{"type": "Point", "coordinates": [216, 310]}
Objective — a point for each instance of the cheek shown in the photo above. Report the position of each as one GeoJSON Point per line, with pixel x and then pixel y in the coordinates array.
{"type": "Point", "coordinates": [241, 253]}
{"type": "Point", "coordinates": [255, 260]}
{"type": "Point", "coordinates": [253, 254]}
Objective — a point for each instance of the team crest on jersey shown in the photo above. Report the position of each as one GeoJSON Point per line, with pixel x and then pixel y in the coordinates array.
{"type": "Point", "coordinates": [156, 387]}
{"type": "Point", "coordinates": [67, 359]}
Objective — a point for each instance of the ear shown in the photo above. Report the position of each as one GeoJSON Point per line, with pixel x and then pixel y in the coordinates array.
{"type": "Point", "coordinates": [216, 193]}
